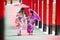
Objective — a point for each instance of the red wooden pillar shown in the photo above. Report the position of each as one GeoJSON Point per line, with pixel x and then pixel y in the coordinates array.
{"type": "Point", "coordinates": [1, 9]}
{"type": "Point", "coordinates": [24, 1]}
{"type": "Point", "coordinates": [44, 14]}
{"type": "Point", "coordinates": [50, 16]}
{"type": "Point", "coordinates": [35, 4]}
{"type": "Point", "coordinates": [32, 4]}
{"type": "Point", "coordinates": [27, 2]}
{"type": "Point", "coordinates": [57, 27]}
{"type": "Point", "coordinates": [1, 19]}
{"type": "Point", "coordinates": [40, 13]}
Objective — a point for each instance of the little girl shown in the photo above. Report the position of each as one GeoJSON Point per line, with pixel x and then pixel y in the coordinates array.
{"type": "Point", "coordinates": [19, 23]}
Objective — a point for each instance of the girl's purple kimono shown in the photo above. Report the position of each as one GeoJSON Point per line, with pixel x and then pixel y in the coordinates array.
{"type": "Point", "coordinates": [30, 24]}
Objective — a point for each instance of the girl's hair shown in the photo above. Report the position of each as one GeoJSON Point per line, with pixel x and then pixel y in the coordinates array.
{"type": "Point", "coordinates": [21, 10]}
{"type": "Point", "coordinates": [31, 12]}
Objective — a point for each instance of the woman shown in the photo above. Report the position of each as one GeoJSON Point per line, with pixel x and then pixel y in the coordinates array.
{"type": "Point", "coordinates": [30, 23]}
